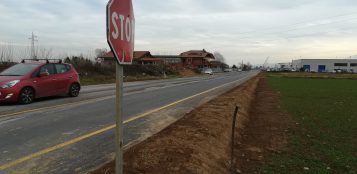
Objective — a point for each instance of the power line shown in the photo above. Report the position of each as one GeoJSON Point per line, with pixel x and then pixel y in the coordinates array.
{"type": "Point", "coordinates": [33, 40]}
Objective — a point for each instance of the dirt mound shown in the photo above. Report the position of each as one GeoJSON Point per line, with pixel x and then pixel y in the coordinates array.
{"type": "Point", "coordinates": [197, 143]}
{"type": "Point", "coordinates": [188, 73]}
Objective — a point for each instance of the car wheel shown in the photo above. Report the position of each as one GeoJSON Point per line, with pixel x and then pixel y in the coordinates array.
{"type": "Point", "coordinates": [27, 95]}
{"type": "Point", "coordinates": [74, 90]}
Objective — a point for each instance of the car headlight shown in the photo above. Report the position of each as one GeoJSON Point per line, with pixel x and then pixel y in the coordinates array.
{"type": "Point", "coordinates": [10, 84]}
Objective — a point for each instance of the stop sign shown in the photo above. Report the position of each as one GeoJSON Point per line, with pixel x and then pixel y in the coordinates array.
{"type": "Point", "coordinates": [121, 30]}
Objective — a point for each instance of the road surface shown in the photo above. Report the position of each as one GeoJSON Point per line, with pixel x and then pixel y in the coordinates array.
{"type": "Point", "coordinates": [74, 135]}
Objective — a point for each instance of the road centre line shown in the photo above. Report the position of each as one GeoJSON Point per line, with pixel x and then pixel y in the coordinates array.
{"type": "Point", "coordinates": [57, 106]}
{"type": "Point", "coordinates": [87, 101]}
{"type": "Point", "coordinates": [81, 138]}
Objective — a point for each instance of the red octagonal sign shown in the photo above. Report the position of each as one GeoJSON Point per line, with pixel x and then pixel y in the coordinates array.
{"type": "Point", "coordinates": [121, 30]}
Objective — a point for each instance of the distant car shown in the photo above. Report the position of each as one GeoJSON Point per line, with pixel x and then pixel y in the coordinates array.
{"type": "Point", "coordinates": [24, 82]}
{"type": "Point", "coordinates": [227, 70]}
{"type": "Point", "coordinates": [208, 71]}
{"type": "Point", "coordinates": [339, 71]}
{"type": "Point", "coordinates": [285, 70]}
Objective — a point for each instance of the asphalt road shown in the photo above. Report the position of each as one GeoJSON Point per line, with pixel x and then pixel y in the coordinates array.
{"type": "Point", "coordinates": [74, 135]}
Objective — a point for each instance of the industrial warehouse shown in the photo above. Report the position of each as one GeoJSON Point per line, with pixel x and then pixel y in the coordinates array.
{"type": "Point", "coordinates": [321, 65]}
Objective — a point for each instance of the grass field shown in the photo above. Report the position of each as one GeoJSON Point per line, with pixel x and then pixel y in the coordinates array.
{"type": "Point", "coordinates": [313, 75]}
{"type": "Point", "coordinates": [323, 137]}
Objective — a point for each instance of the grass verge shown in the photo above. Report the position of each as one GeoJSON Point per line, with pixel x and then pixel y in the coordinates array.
{"type": "Point", "coordinates": [324, 138]}
{"type": "Point", "coordinates": [101, 79]}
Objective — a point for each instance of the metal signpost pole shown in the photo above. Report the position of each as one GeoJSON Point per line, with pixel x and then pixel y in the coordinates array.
{"type": "Point", "coordinates": [119, 120]}
{"type": "Point", "coordinates": [120, 38]}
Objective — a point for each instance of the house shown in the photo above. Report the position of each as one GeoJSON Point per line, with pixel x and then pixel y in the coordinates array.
{"type": "Point", "coordinates": [218, 66]}
{"type": "Point", "coordinates": [139, 57]}
{"type": "Point", "coordinates": [145, 57]}
{"type": "Point", "coordinates": [196, 59]}
{"type": "Point", "coordinates": [107, 58]}
{"type": "Point", "coordinates": [173, 62]}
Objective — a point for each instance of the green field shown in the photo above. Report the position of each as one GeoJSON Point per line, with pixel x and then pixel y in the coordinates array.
{"type": "Point", "coordinates": [314, 75]}
{"type": "Point", "coordinates": [323, 138]}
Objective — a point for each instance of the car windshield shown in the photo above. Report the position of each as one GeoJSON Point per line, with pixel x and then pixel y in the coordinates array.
{"type": "Point", "coordinates": [18, 70]}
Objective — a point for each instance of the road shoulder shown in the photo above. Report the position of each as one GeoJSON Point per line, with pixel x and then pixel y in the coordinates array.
{"type": "Point", "coordinates": [197, 143]}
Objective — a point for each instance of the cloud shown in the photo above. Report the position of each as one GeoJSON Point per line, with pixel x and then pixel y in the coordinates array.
{"type": "Point", "coordinates": [239, 29]}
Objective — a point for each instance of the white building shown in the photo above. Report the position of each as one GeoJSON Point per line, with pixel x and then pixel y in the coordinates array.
{"type": "Point", "coordinates": [326, 65]}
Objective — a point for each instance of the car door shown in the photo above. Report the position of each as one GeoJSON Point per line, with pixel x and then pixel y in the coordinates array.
{"type": "Point", "coordinates": [46, 85]}
{"type": "Point", "coordinates": [63, 78]}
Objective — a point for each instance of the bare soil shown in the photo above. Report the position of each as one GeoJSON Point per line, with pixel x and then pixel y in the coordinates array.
{"type": "Point", "coordinates": [200, 142]}
{"type": "Point", "coordinates": [188, 73]}
{"type": "Point", "coordinates": [266, 132]}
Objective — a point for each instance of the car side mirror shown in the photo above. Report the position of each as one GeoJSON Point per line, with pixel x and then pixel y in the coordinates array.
{"type": "Point", "coordinates": [44, 74]}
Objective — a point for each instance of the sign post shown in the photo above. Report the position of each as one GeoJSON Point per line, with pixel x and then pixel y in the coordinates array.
{"type": "Point", "coordinates": [119, 120]}
{"type": "Point", "coordinates": [120, 38]}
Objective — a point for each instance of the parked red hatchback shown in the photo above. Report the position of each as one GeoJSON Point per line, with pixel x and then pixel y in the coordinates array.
{"type": "Point", "coordinates": [26, 81]}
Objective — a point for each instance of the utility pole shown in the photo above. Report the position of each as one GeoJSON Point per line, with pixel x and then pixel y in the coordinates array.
{"type": "Point", "coordinates": [265, 65]}
{"type": "Point", "coordinates": [33, 52]}
{"type": "Point", "coordinates": [164, 59]}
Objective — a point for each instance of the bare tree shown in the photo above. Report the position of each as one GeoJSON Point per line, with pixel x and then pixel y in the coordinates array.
{"type": "Point", "coordinates": [2, 53]}
{"type": "Point", "coordinates": [241, 65]}
{"type": "Point", "coordinates": [44, 53]}
{"type": "Point", "coordinates": [22, 52]}
{"type": "Point", "coordinates": [219, 57]}
{"type": "Point", "coordinates": [246, 66]}
{"type": "Point", "coordinates": [100, 52]}
{"type": "Point", "coordinates": [6, 53]}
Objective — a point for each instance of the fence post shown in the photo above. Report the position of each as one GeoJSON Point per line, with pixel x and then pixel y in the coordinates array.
{"type": "Point", "coordinates": [232, 138]}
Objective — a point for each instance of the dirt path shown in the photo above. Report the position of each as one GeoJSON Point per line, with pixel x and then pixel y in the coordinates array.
{"type": "Point", "coordinates": [264, 134]}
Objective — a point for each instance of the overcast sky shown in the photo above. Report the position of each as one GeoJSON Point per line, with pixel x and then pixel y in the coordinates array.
{"type": "Point", "coordinates": [239, 29]}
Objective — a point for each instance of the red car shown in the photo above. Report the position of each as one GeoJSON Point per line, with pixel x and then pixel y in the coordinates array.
{"type": "Point", "coordinates": [24, 82]}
